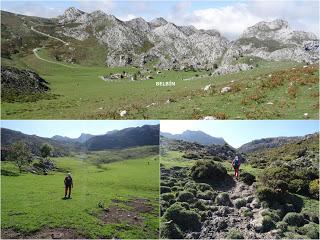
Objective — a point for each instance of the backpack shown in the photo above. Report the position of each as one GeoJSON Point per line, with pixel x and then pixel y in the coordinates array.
{"type": "Point", "coordinates": [236, 162]}
{"type": "Point", "coordinates": [68, 181]}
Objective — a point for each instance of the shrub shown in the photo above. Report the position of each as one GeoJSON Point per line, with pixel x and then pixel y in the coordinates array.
{"type": "Point", "coordinates": [246, 212]}
{"type": "Point", "coordinates": [247, 178]}
{"type": "Point", "coordinates": [234, 234]}
{"type": "Point", "coordinates": [266, 194]}
{"type": "Point", "coordinates": [167, 197]}
{"type": "Point", "coordinates": [208, 169]}
{"type": "Point", "coordinates": [240, 203]}
{"type": "Point", "coordinates": [294, 219]}
{"type": "Point", "coordinates": [185, 219]}
{"type": "Point", "coordinates": [185, 196]}
{"type": "Point", "coordinates": [311, 230]}
{"type": "Point", "coordinates": [267, 224]}
{"type": "Point", "coordinates": [199, 205]}
{"type": "Point", "coordinates": [283, 226]}
{"type": "Point", "coordinates": [203, 187]}
{"type": "Point", "coordinates": [170, 231]}
{"type": "Point", "coordinates": [298, 186]}
{"type": "Point", "coordinates": [314, 188]}
{"type": "Point", "coordinates": [207, 195]}
{"type": "Point", "coordinates": [223, 199]}
{"type": "Point", "coordinates": [165, 189]}
{"type": "Point", "coordinates": [273, 214]}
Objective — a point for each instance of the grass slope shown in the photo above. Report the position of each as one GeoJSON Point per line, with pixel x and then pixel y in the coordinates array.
{"type": "Point", "coordinates": [83, 95]}
{"type": "Point", "coordinates": [33, 202]}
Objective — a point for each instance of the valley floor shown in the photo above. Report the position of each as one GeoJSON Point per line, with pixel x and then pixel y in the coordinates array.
{"type": "Point", "coordinates": [272, 90]}
{"type": "Point", "coordinates": [115, 200]}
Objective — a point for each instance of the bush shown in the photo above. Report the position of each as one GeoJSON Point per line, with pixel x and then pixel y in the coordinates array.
{"type": "Point", "coordinates": [241, 202]}
{"type": "Point", "coordinates": [283, 226]}
{"type": "Point", "coordinates": [223, 199]}
{"type": "Point", "coordinates": [299, 186]}
{"type": "Point", "coordinates": [314, 188]}
{"type": "Point", "coordinates": [191, 155]}
{"type": "Point", "coordinates": [311, 230]}
{"type": "Point", "coordinates": [207, 195]}
{"type": "Point", "coordinates": [185, 196]}
{"type": "Point", "coordinates": [170, 231]}
{"type": "Point", "coordinates": [266, 194]}
{"type": "Point", "coordinates": [167, 197]}
{"type": "Point", "coordinates": [246, 212]}
{"type": "Point", "coordinates": [208, 170]}
{"type": "Point", "coordinates": [165, 189]}
{"type": "Point", "coordinates": [185, 219]}
{"type": "Point", "coordinates": [267, 224]}
{"type": "Point", "coordinates": [199, 205]}
{"type": "Point", "coordinates": [273, 214]}
{"type": "Point", "coordinates": [294, 219]}
{"type": "Point", "coordinates": [234, 234]}
{"type": "Point", "coordinates": [247, 178]}
{"type": "Point", "coordinates": [204, 187]}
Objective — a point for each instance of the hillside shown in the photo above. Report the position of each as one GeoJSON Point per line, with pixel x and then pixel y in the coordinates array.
{"type": "Point", "coordinates": [35, 142]}
{"type": "Point", "coordinates": [129, 137]}
{"type": "Point", "coordinates": [265, 143]}
{"type": "Point", "coordinates": [195, 136]}
{"type": "Point", "coordinates": [125, 138]}
{"type": "Point", "coordinates": [275, 197]}
{"type": "Point", "coordinates": [138, 42]}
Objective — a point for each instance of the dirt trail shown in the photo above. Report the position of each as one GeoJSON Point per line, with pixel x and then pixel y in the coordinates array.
{"type": "Point", "coordinates": [35, 51]}
{"type": "Point", "coordinates": [246, 219]}
{"type": "Point", "coordinates": [47, 35]}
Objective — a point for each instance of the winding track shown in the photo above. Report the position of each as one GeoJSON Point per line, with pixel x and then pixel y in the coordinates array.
{"type": "Point", "coordinates": [35, 51]}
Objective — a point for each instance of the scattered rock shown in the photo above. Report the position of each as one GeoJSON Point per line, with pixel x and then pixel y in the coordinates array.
{"type": "Point", "coordinates": [123, 113]}
{"type": "Point", "coordinates": [225, 90]}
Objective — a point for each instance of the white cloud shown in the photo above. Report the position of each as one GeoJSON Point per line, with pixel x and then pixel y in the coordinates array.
{"type": "Point", "coordinates": [106, 6]}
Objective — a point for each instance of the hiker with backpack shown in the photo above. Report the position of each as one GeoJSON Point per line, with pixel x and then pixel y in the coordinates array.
{"type": "Point", "coordinates": [236, 165]}
{"type": "Point", "coordinates": [68, 183]}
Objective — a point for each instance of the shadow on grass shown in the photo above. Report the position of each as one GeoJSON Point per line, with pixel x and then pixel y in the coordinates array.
{"type": "Point", "coordinates": [66, 198]}
{"type": "Point", "coordinates": [8, 173]}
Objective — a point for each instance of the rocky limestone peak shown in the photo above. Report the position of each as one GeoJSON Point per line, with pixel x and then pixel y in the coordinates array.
{"type": "Point", "coordinates": [266, 28]}
{"type": "Point", "coordinates": [139, 24]}
{"type": "Point", "coordinates": [71, 14]}
{"type": "Point", "coordinates": [98, 14]}
{"type": "Point", "coordinates": [158, 22]}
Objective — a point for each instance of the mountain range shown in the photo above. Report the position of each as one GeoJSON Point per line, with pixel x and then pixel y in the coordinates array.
{"type": "Point", "coordinates": [195, 136]}
{"type": "Point", "coordinates": [161, 43]}
{"type": "Point", "coordinates": [125, 138]}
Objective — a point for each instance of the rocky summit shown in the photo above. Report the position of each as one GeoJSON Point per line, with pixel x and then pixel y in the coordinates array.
{"type": "Point", "coordinates": [165, 45]}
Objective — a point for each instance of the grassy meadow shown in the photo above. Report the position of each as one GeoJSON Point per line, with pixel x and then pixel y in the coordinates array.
{"type": "Point", "coordinates": [273, 90]}
{"type": "Point", "coordinates": [33, 203]}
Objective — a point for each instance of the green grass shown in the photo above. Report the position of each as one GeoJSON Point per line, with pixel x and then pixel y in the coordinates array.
{"type": "Point", "coordinates": [32, 202]}
{"type": "Point", "coordinates": [83, 95]}
{"type": "Point", "coordinates": [174, 158]}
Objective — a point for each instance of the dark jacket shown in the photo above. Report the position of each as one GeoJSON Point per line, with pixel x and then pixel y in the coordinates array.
{"type": "Point", "coordinates": [68, 181]}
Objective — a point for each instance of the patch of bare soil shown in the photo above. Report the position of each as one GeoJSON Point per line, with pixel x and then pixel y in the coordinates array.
{"type": "Point", "coordinates": [46, 233]}
{"type": "Point", "coordinates": [130, 215]}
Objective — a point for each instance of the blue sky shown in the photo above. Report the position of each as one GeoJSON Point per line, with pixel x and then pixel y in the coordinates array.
{"type": "Point", "coordinates": [238, 132]}
{"type": "Point", "coordinates": [229, 17]}
{"type": "Point", "coordinates": [71, 128]}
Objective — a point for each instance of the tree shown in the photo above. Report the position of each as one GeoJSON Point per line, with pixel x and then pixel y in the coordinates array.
{"type": "Point", "coordinates": [20, 154]}
{"type": "Point", "coordinates": [45, 150]}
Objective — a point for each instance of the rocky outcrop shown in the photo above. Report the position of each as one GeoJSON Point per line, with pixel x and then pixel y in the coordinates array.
{"type": "Point", "coordinates": [274, 41]}
{"type": "Point", "coordinates": [21, 81]}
